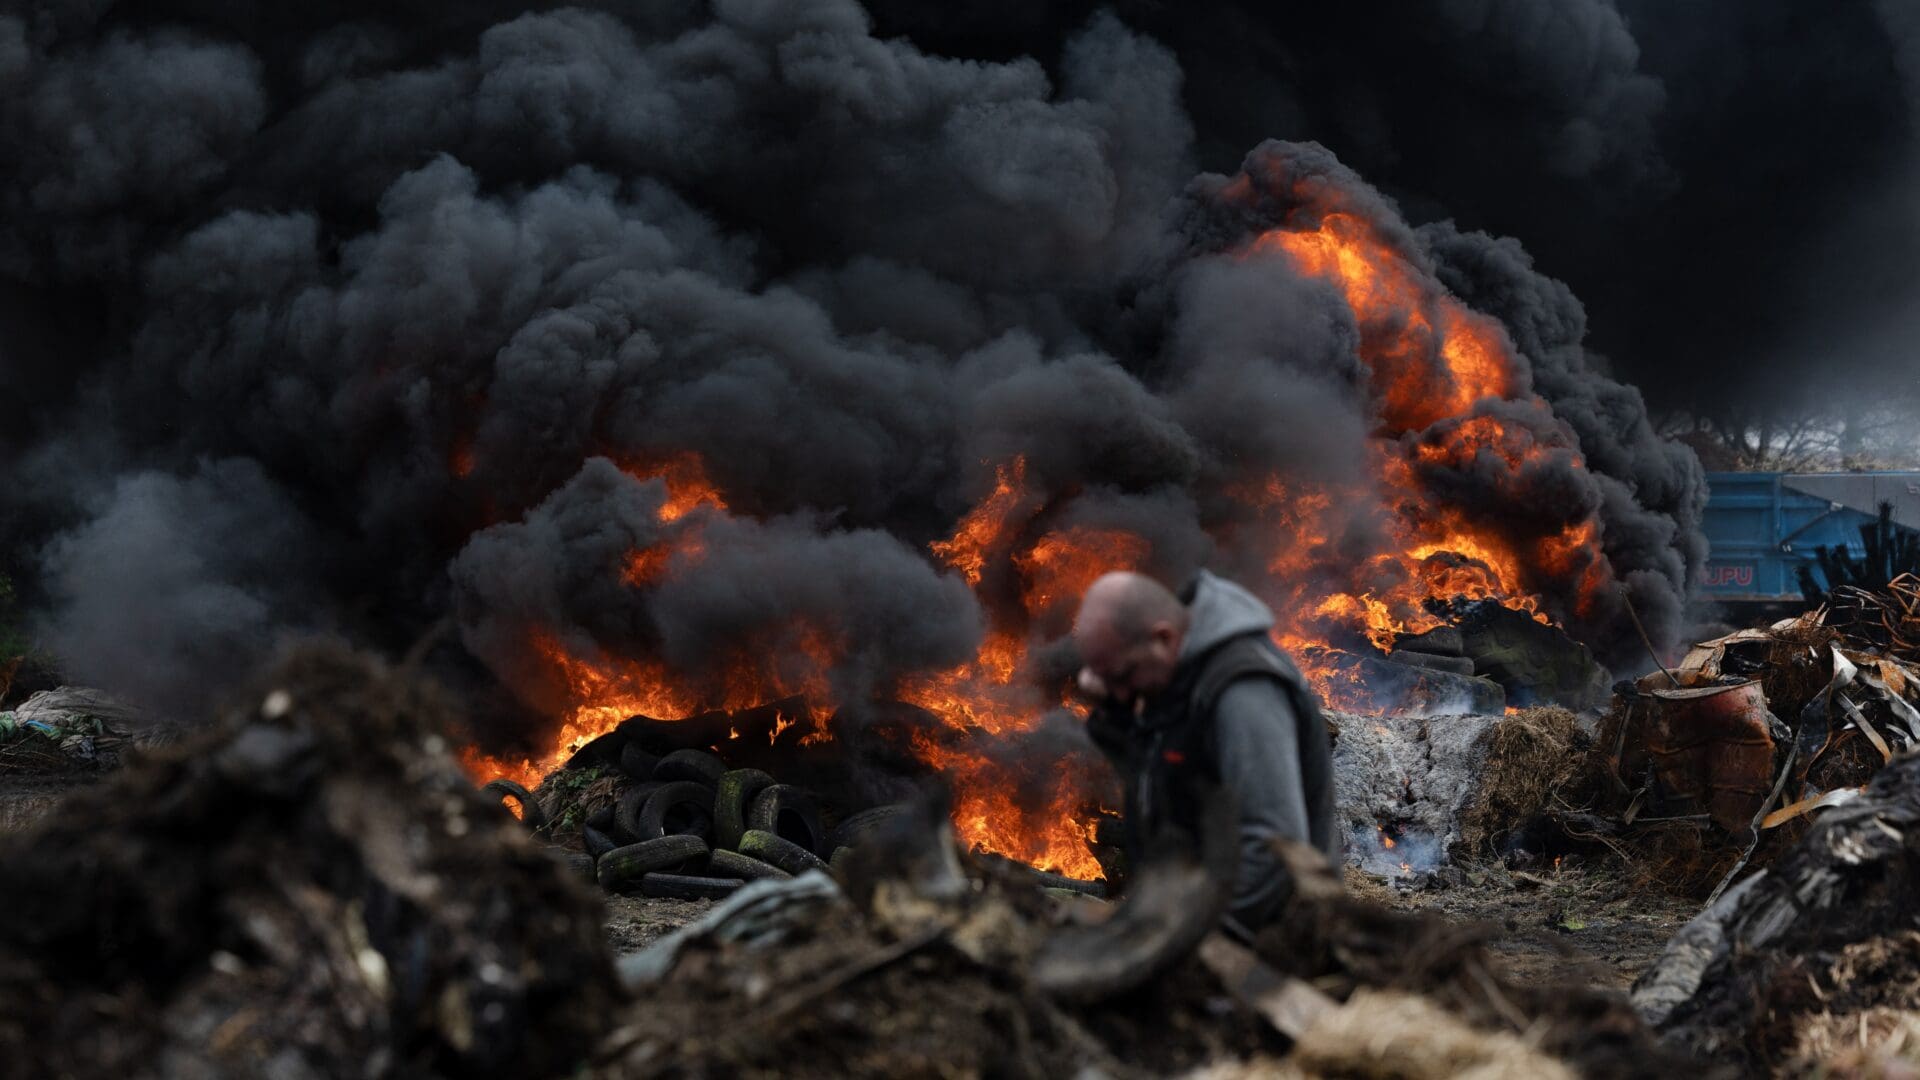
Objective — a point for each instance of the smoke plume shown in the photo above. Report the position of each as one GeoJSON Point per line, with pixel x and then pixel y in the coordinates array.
{"type": "Point", "coordinates": [349, 320]}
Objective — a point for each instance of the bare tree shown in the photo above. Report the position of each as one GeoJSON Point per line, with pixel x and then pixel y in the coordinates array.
{"type": "Point", "coordinates": [1850, 433]}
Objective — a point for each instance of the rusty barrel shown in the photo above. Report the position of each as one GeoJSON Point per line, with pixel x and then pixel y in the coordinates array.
{"type": "Point", "coordinates": [1711, 748]}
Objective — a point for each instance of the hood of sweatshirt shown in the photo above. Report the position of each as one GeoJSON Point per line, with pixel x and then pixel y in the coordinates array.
{"type": "Point", "coordinates": [1220, 610]}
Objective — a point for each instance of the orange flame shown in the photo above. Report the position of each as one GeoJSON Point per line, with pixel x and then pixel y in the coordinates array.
{"type": "Point", "coordinates": [1060, 565]}
{"type": "Point", "coordinates": [986, 696]}
{"type": "Point", "coordinates": [1429, 356]}
{"type": "Point", "coordinates": [985, 526]}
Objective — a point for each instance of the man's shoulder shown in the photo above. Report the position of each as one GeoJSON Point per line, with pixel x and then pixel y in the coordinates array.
{"type": "Point", "coordinates": [1245, 657]}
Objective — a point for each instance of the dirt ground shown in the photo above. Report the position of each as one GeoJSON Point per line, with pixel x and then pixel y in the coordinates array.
{"type": "Point", "coordinates": [24, 797]}
{"type": "Point", "coordinates": [635, 922]}
{"type": "Point", "coordinates": [1571, 925]}
{"type": "Point", "coordinates": [1568, 925]}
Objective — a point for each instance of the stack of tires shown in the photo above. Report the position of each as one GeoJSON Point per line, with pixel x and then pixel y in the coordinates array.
{"type": "Point", "coordinates": [688, 827]}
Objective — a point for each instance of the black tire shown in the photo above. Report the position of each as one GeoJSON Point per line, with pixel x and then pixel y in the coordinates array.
{"type": "Point", "coordinates": [603, 818]}
{"type": "Point", "coordinates": [731, 799]}
{"type": "Point", "coordinates": [603, 749]}
{"type": "Point", "coordinates": [1043, 879]}
{"type": "Point", "coordinates": [636, 762]}
{"type": "Point", "coordinates": [596, 842]}
{"type": "Point", "coordinates": [779, 852]}
{"type": "Point", "coordinates": [626, 814]}
{"type": "Point", "coordinates": [579, 865]}
{"type": "Point", "coordinates": [684, 887]}
{"type": "Point", "coordinates": [622, 868]}
{"type": "Point", "coordinates": [732, 864]}
{"type": "Point", "coordinates": [530, 813]}
{"type": "Point", "coordinates": [680, 808]}
{"type": "Point", "coordinates": [791, 813]}
{"type": "Point", "coordinates": [695, 765]}
{"type": "Point", "coordinates": [858, 826]}
{"type": "Point", "coordinates": [839, 860]}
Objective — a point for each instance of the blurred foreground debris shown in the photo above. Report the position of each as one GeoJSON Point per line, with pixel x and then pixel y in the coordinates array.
{"type": "Point", "coordinates": [310, 888]}
{"type": "Point", "coordinates": [911, 977]}
{"type": "Point", "coordinates": [1821, 941]}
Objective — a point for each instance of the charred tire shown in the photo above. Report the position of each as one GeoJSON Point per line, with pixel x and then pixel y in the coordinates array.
{"type": "Point", "coordinates": [695, 765]}
{"type": "Point", "coordinates": [680, 808]}
{"type": "Point", "coordinates": [622, 868]}
{"type": "Point", "coordinates": [603, 818]}
{"type": "Point", "coordinates": [779, 852]}
{"type": "Point", "coordinates": [856, 827]}
{"type": "Point", "coordinates": [731, 864]}
{"type": "Point", "coordinates": [596, 842]}
{"type": "Point", "coordinates": [1457, 665]}
{"type": "Point", "coordinates": [1439, 641]}
{"type": "Point", "coordinates": [735, 794]}
{"type": "Point", "coordinates": [636, 762]}
{"type": "Point", "coordinates": [791, 813]}
{"type": "Point", "coordinates": [530, 813]}
{"type": "Point", "coordinates": [684, 887]}
{"type": "Point", "coordinates": [601, 750]}
{"type": "Point", "coordinates": [626, 814]}
{"type": "Point", "coordinates": [1063, 883]}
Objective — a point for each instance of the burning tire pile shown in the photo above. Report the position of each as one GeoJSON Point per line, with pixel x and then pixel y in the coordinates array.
{"type": "Point", "coordinates": [655, 817]}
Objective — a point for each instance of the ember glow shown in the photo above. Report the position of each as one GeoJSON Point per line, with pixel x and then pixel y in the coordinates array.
{"type": "Point", "coordinates": [1347, 567]}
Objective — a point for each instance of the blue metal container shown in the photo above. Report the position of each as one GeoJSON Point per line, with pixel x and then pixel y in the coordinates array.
{"type": "Point", "coordinates": [1761, 527]}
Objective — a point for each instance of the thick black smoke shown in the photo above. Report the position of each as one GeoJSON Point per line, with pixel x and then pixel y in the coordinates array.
{"type": "Point", "coordinates": [1728, 185]}
{"type": "Point", "coordinates": [349, 322]}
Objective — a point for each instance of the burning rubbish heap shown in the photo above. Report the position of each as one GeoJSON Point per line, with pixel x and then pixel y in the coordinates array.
{"type": "Point", "coordinates": [662, 448]}
{"type": "Point", "coordinates": [696, 808]}
{"type": "Point", "coordinates": [665, 438]}
{"type": "Point", "coordinates": [1446, 573]}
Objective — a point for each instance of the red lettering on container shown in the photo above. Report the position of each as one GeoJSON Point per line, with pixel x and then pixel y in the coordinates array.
{"type": "Point", "coordinates": [1740, 574]}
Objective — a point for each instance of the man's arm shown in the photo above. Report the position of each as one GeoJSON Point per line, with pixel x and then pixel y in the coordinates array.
{"type": "Point", "coordinates": [1257, 734]}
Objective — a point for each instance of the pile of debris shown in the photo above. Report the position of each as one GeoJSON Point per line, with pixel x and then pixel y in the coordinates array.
{"type": "Point", "coordinates": [1812, 965]}
{"type": "Point", "coordinates": [1755, 730]}
{"type": "Point", "coordinates": [67, 729]}
{"type": "Point", "coordinates": [309, 888]}
{"type": "Point", "coordinates": [911, 969]}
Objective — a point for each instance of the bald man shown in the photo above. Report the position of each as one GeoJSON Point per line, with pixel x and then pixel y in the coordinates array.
{"type": "Point", "coordinates": [1194, 692]}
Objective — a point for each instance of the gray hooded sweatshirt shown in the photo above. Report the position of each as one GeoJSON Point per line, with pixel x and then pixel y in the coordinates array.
{"type": "Point", "coordinates": [1257, 733]}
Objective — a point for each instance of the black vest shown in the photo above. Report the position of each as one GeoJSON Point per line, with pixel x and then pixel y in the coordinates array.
{"type": "Point", "coordinates": [1167, 756]}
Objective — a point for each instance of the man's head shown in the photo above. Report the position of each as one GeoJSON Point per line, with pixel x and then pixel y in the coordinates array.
{"type": "Point", "coordinates": [1129, 631]}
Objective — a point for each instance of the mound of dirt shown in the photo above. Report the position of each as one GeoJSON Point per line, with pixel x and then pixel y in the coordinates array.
{"type": "Point", "coordinates": [309, 888]}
